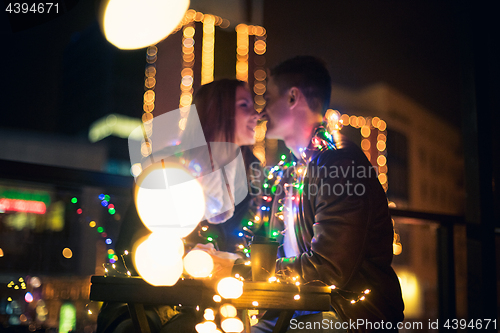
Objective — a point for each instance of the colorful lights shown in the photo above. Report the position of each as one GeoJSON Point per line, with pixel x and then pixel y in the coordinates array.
{"type": "Point", "coordinates": [23, 206]}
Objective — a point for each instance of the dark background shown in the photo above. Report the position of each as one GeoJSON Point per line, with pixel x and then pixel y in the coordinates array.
{"type": "Point", "coordinates": [48, 85]}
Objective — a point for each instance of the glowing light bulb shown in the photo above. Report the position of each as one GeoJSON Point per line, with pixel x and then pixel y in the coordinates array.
{"type": "Point", "coordinates": [177, 208]}
{"type": "Point", "coordinates": [133, 24]}
{"type": "Point", "coordinates": [231, 325]}
{"type": "Point", "coordinates": [230, 287]}
{"type": "Point", "coordinates": [228, 311]}
{"type": "Point", "coordinates": [158, 259]}
{"type": "Point", "coordinates": [209, 314]}
{"type": "Point", "coordinates": [198, 264]}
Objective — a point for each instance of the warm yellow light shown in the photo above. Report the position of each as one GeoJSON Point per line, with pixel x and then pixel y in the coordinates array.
{"type": "Point", "coordinates": [397, 248]}
{"type": "Point", "coordinates": [353, 121]}
{"type": "Point", "coordinates": [381, 145]}
{"type": "Point", "coordinates": [92, 224]}
{"type": "Point", "coordinates": [177, 208]}
{"type": "Point", "coordinates": [232, 325]}
{"type": "Point", "coordinates": [209, 314]}
{"type": "Point", "coordinates": [255, 303]}
{"type": "Point", "coordinates": [67, 253]}
{"type": "Point", "coordinates": [228, 311]}
{"type": "Point", "coordinates": [375, 121]}
{"type": "Point", "coordinates": [382, 125]}
{"type": "Point", "coordinates": [206, 327]}
{"type": "Point", "coordinates": [296, 297]}
{"type": "Point", "coordinates": [158, 258]}
{"type": "Point", "coordinates": [365, 144]}
{"type": "Point", "coordinates": [381, 160]}
{"type": "Point", "coordinates": [344, 119]}
{"type": "Point", "coordinates": [382, 178]}
{"type": "Point", "coordinates": [365, 131]}
{"type": "Point", "coordinates": [189, 32]}
{"type": "Point", "coordinates": [217, 298]}
{"type": "Point", "coordinates": [1, 252]}
{"type": "Point", "coordinates": [198, 264]}
{"type": "Point", "coordinates": [230, 287]}
{"type": "Point", "coordinates": [133, 24]}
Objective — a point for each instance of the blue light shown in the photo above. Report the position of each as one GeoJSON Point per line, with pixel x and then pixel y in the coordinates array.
{"type": "Point", "coordinates": [248, 255]}
{"type": "Point", "coordinates": [263, 208]}
{"type": "Point", "coordinates": [104, 203]}
{"type": "Point", "coordinates": [101, 196]}
{"type": "Point", "coordinates": [108, 241]}
{"type": "Point", "coordinates": [240, 234]}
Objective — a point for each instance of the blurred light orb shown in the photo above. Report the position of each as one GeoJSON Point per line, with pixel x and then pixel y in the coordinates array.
{"type": "Point", "coordinates": [228, 311]}
{"type": "Point", "coordinates": [158, 259]}
{"type": "Point", "coordinates": [35, 282]}
{"type": "Point", "coordinates": [198, 264]}
{"type": "Point", "coordinates": [28, 297]}
{"type": "Point", "coordinates": [206, 327]}
{"type": "Point", "coordinates": [231, 325]}
{"type": "Point", "coordinates": [209, 314]}
{"type": "Point", "coordinates": [67, 253]}
{"type": "Point", "coordinates": [230, 287]}
{"type": "Point", "coordinates": [134, 24]}
{"type": "Point", "coordinates": [167, 197]}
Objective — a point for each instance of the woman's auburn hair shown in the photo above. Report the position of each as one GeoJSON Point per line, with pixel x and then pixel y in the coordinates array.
{"type": "Point", "coordinates": [215, 104]}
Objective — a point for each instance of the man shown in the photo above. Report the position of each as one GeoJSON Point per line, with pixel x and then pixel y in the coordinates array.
{"type": "Point", "coordinates": [337, 228]}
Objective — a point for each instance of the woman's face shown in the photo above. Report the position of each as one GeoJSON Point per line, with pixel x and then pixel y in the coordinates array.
{"type": "Point", "coordinates": [245, 118]}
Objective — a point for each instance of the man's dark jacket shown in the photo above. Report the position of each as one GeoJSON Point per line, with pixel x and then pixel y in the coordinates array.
{"type": "Point", "coordinates": [345, 237]}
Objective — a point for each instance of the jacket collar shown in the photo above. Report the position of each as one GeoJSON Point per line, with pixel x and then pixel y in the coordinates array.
{"type": "Point", "coordinates": [321, 140]}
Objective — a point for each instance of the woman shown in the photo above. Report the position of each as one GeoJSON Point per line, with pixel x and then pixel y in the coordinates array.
{"type": "Point", "coordinates": [226, 113]}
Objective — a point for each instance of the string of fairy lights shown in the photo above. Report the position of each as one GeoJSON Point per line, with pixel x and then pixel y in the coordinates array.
{"type": "Point", "coordinates": [105, 201]}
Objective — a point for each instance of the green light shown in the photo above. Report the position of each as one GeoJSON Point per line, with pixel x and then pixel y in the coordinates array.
{"type": "Point", "coordinates": [283, 156]}
{"type": "Point", "coordinates": [250, 223]}
{"type": "Point", "coordinates": [245, 250]}
{"type": "Point", "coordinates": [273, 189]}
{"type": "Point", "coordinates": [266, 185]}
{"type": "Point", "coordinates": [106, 197]}
{"type": "Point", "coordinates": [111, 211]}
{"type": "Point", "coordinates": [275, 233]}
{"type": "Point", "coordinates": [210, 239]}
{"type": "Point", "coordinates": [110, 256]}
{"type": "Point", "coordinates": [74, 200]}
{"type": "Point", "coordinates": [280, 209]}
{"type": "Point", "coordinates": [100, 229]}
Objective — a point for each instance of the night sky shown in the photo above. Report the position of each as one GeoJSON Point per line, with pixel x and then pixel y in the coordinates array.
{"type": "Point", "coordinates": [411, 45]}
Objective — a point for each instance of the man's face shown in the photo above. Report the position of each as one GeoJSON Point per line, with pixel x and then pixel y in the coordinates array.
{"type": "Point", "coordinates": [277, 112]}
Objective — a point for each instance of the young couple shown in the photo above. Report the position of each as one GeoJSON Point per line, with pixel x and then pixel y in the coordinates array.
{"type": "Point", "coordinates": [336, 237]}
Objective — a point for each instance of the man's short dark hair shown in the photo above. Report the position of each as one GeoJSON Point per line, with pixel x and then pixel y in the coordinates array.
{"type": "Point", "coordinates": [309, 74]}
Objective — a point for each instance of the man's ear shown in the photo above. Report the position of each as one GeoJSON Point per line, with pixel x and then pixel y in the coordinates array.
{"type": "Point", "coordinates": [293, 96]}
